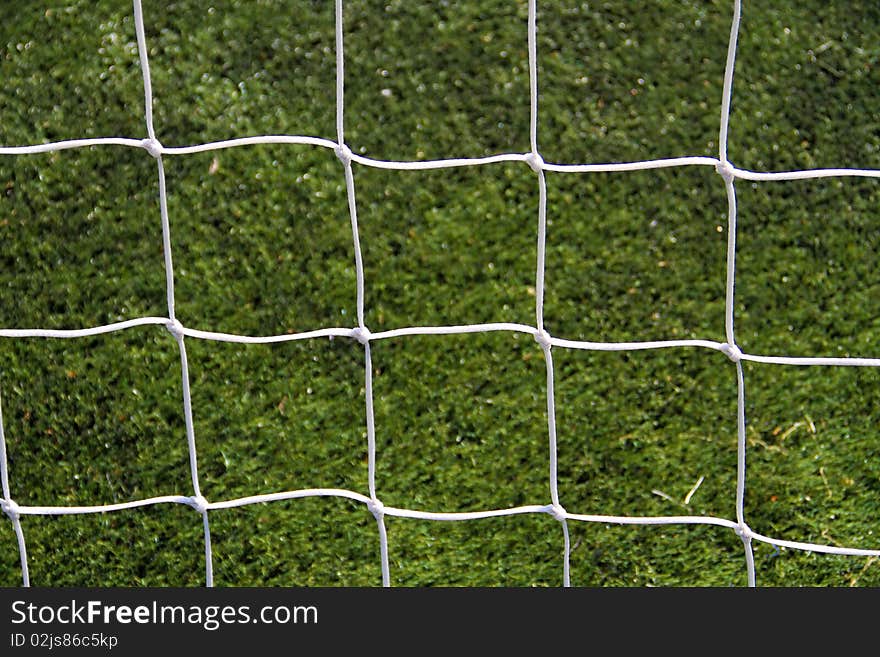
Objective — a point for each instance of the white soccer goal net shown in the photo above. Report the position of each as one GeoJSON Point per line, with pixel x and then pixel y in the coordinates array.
{"type": "Point", "coordinates": [372, 498]}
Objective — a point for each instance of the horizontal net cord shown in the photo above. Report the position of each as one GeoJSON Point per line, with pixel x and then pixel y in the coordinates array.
{"type": "Point", "coordinates": [360, 334]}
{"type": "Point", "coordinates": [82, 332]}
{"type": "Point", "coordinates": [460, 516]}
{"type": "Point", "coordinates": [805, 174]}
{"type": "Point", "coordinates": [447, 163]}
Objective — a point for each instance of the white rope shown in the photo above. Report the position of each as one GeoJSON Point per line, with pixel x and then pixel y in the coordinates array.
{"type": "Point", "coordinates": [536, 163]}
{"type": "Point", "coordinates": [10, 508]}
{"type": "Point", "coordinates": [730, 348]}
{"type": "Point", "coordinates": [362, 334]}
{"type": "Point", "coordinates": [154, 148]}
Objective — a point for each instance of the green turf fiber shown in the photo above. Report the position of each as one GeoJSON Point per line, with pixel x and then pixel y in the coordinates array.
{"type": "Point", "coordinates": [262, 245]}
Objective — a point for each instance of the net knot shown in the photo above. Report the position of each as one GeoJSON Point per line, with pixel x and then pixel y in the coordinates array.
{"type": "Point", "coordinates": [535, 161]}
{"type": "Point", "coordinates": [725, 170]}
{"type": "Point", "coordinates": [557, 511]}
{"type": "Point", "coordinates": [152, 146]}
{"type": "Point", "coordinates": [199, 503]}
{"type": "Point", "coordinates": [732, 352]}
{"type": "Point", "coordinates": [11, 509]}
{"type": "Point", "coordinates": [175, 328]}
{"type": "Point", "coordinates": [361, 334]}
{"type": "Point", "coordinates": [344, 154]}
{"type": "Point", "coordinates": [376, 508]}
{"type": "Point", "coordinates": [743, 531]}
{"type": "Point", "coordinates": [543, 338]}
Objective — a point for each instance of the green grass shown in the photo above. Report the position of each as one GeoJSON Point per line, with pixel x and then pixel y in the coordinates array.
{"type": "Point", "coordinates": [262, 245]}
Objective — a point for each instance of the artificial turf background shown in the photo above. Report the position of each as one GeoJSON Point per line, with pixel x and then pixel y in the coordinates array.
{"type": "Point", "coordinates": [262, 245]}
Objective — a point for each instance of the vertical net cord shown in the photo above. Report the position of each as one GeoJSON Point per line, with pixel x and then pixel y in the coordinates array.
{"type": "Point", "coordinates": [174, 326]}
{"type": "Point", "coordinates": [11, 508]}
{"type": "Point", "coordinates": [726, 170]}
{"type": "Point", "coordinates": [536, 162]}
{"type": "Point", "coordinates": [362, 333]}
